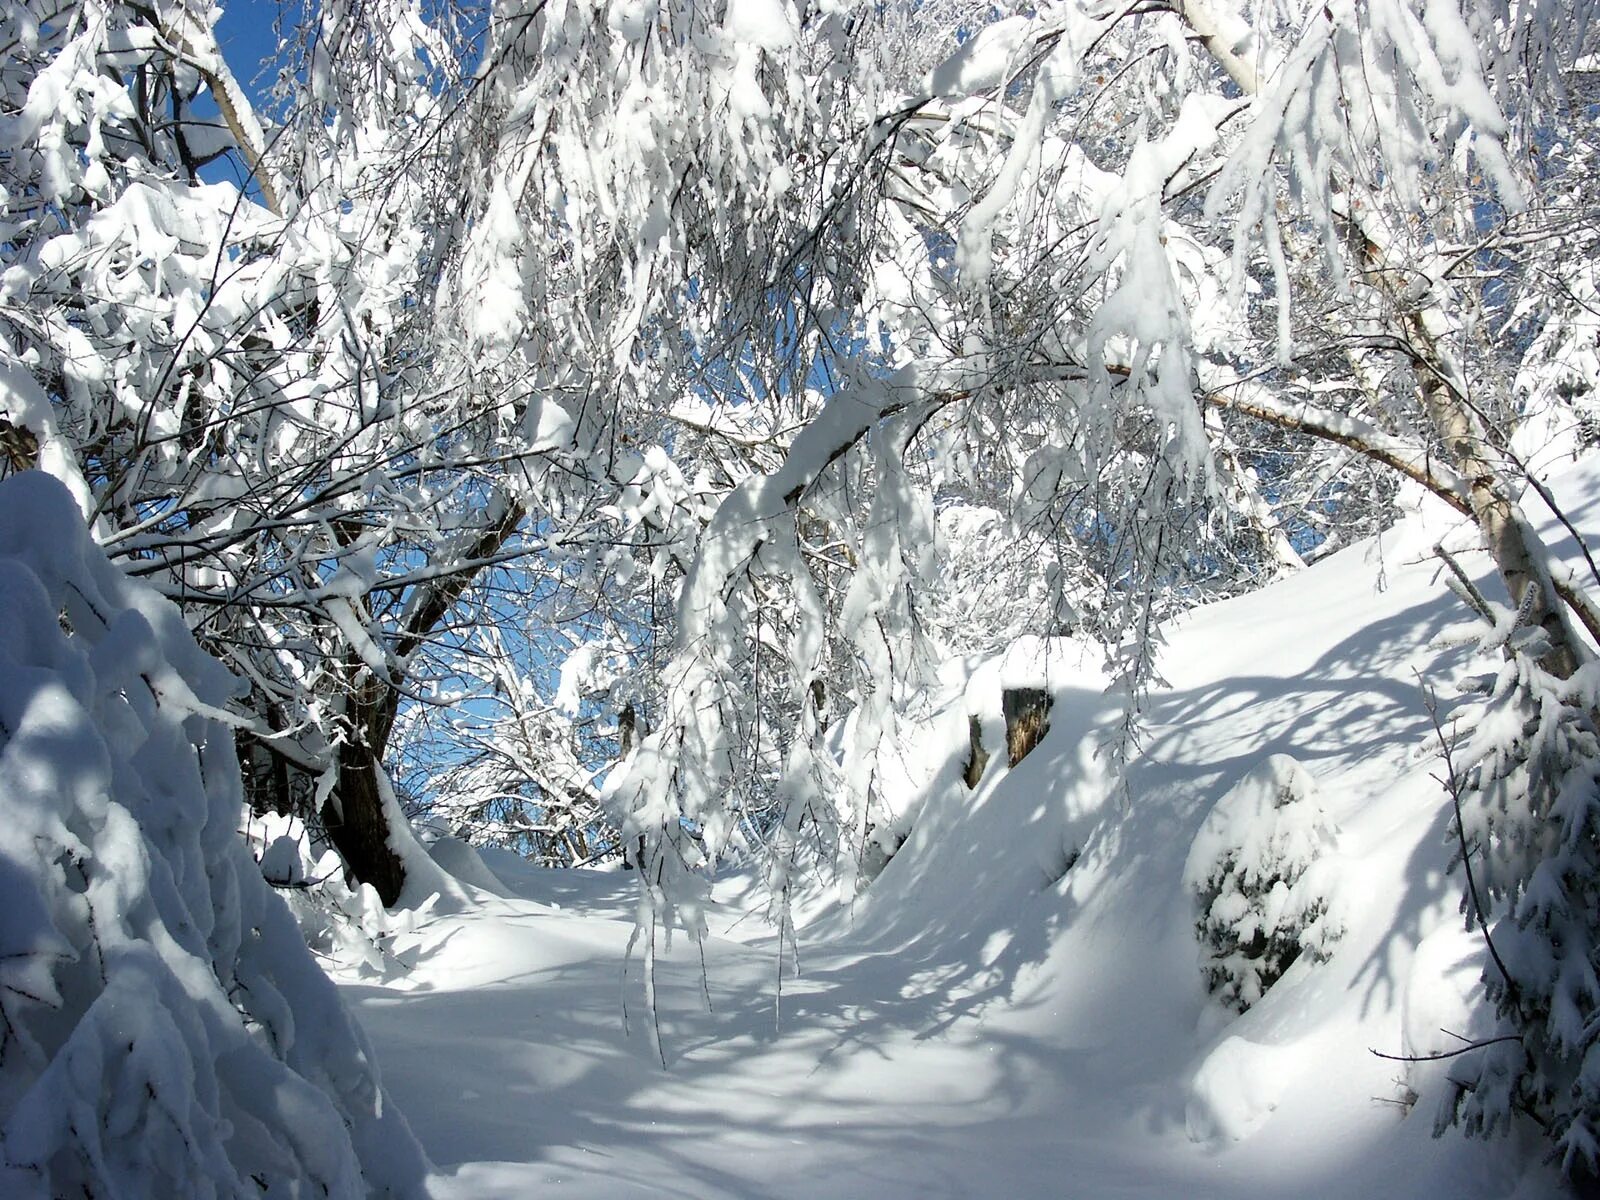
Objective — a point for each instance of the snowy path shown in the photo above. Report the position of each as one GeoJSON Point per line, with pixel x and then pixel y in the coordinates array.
{"type": "Point", "coordinates": [891, 1075]}
{"type": "Point", "coordinates": [507, 1052]}
{"type": "Point", "coordinates": [978, 1028]}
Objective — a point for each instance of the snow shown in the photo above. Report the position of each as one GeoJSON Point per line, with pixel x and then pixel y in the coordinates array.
{"type": "Point", "coordinates": [766, 24]}
{"type": "Point", "coordinates": [982, 61]}
{"type": "Point", "coordinates": [1016, 1001]}
{"type": "Point", "coordinates": [1015, 1005]}
{"type": "Point", "coordinates": [1011, 995]}
{"type": "Point", "coordinates": [1234, 1091]}
{"type": "Point", "coordinates": [166, 1032]}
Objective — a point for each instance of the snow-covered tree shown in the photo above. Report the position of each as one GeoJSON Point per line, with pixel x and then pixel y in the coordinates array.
{"type": "Point", "coordinates": [1257, 874]}
{"type": "Point", "coordinates": [705, 319]}
{"type": "Point", "coordinates": [514, 760]}
{"type": "Point", "coordinates": [315, 412]}
{"type": "Point", "coordinates": [1099, 224]}
{"type": "Point", "coordinates": [163, 1029]}
{"type": "Point", "coordinates": [1526, 783]}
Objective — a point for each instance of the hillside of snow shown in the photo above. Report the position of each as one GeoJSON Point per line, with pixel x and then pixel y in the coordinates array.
{"type": "Point", "coordinates": [1015, 1006]}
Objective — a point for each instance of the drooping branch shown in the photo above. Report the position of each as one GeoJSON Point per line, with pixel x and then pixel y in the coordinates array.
{"type": "Point", "coordinates": [1415, 293]}
{"type": "Point", "coordinates": [198, 50]}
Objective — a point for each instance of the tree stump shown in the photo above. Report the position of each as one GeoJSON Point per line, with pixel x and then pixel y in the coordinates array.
{"type": "Point", "coordinates": [978, 757]}
{"type": "Point", "coordinates": [1027, 713]}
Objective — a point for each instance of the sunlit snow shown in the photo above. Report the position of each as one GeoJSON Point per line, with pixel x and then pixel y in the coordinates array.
{"type": "Point", "coordinates": [986, 1019]}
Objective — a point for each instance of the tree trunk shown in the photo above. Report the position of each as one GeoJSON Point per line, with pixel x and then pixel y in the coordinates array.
{"type": "Point", "coordinates": [357, 824]}
{"type": "Point", "coordinates": [1512, 544]}
{"type": "Point", "coordinates": [358, 827]}
{"type": "Point", "coordinates": [977, 756]}
{"type": "Point", "coordinates": [1518, 555]}
{"type": "Point", "coordinates": [354, 814]}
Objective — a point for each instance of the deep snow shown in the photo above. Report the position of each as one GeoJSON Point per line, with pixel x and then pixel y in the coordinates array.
{"type": "Point", "coordinates": [979, 1023]}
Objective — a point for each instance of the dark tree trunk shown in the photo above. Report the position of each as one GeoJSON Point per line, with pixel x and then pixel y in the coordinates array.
{"type": "Point", "coordinates": [357, 826]}
{"type": "Point", "coordinates": [353, 815]}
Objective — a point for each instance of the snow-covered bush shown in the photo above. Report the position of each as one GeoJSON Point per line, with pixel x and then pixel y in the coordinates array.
{"type": "Point", "coordinates": [163, 1030]}
{"type": "Point", "coordinates": [1527, 784]}
{"type": "Point", "coordinates": [1254, 871]}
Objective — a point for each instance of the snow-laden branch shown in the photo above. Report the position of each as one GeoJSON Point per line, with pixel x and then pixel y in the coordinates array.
{"type": "Point", "coordinates": [1297, 416]}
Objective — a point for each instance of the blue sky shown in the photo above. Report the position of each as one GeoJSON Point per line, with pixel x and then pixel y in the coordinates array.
{"type": "Point", "coordinates": [246, 37]}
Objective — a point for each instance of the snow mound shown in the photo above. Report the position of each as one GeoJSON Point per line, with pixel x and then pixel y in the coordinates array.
{"type": "Point", "coordinates": [166, 1032]}
{"type": "Point", "coordinates": [461, 861]}
{"type": "Point", "coordinates": [346, 926]}
{"type": "Point", "coordinates": [1235, 1091]}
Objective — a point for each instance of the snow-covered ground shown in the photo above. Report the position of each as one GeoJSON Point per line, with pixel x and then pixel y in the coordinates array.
{"type": "Point", "coordinates": [983, 1021]}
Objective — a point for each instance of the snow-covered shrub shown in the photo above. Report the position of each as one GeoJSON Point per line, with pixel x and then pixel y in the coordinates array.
{"type": "Point", "coordinates": [1253, 869]}
{"type": "Point", "coordinates": [163, 1030]}
{"type": "Point", "coordinates": [1527, 783]}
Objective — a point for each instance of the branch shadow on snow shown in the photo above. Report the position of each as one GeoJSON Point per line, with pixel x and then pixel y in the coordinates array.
{"type": "Point", "coordinates": [539, 1072]}
{"type": "Point", "coordinates": [967, 942]}
{"type": "Point", "coordinates": [1347, 707]}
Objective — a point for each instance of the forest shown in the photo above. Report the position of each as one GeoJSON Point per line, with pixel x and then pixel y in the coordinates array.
{"type": "Point", "coordinates": [799, 598]}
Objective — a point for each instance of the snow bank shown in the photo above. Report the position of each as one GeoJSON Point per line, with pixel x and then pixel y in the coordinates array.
{"type": "Point", "coordinates": [165, 1031]}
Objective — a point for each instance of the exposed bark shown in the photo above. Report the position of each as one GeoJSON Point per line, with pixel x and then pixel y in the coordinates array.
{"type": "Point", "coordinates": [19, 446]}
{"type": "Point", "coordinates": [1027, 713]}
{"type": "Point", "coordinates": [196, 47]}
{"type": "Point", "coordinates": [1365, 439]}
{"type": "Point", "coordinates": [627, 723]}
{"type": "Point", "coordinates": [356, 825]}
{"type": "Point", "coordinates": [978, 756]}
{"type": "Point", "coordinates": [1518, 554]}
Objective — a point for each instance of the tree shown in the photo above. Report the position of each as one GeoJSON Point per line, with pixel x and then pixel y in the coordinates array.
{"type": "Point", "coordinates": [515, 769]}
{"type": "Point", "coordinates": [1086, 223]}
{"type": "Point", "coordinates": [1526, 785]}
{"type": "Point", "coordinates": [269, 403]}
{"type": "Point", "coordinates": [164, 1029]}
{"type": "Point", "coordinates": [696, 328]}
{"type": "Point", "coordinates": [700, 323]}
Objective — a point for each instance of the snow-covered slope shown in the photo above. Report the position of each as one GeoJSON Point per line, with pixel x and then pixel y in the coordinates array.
{"type": "Point", "coordinates": [986, 1020]}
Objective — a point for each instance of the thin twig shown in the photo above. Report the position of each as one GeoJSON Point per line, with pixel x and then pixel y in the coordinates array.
{"type": "Point", "coordinates": [1444, 1054]}
{"type": "Point", "coordinates": [1452, 784]}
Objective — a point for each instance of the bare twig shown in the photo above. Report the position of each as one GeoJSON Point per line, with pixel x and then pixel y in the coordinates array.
{"type": "Point", "coordinates": [1444, 1054]}
{"type": "Point", "coordinates": [1452, 784]}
